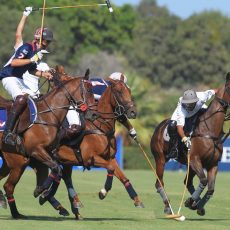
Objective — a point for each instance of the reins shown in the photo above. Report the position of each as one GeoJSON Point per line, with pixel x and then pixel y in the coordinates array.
{"type": "Point", "coordinates": [225, 106]}
{"type": "Point", "coordinates": [72, 102]}
{"type": "Point", "coordinates": [106, 118]}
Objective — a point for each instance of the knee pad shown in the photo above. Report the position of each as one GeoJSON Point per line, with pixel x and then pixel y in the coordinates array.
{"type": "Point", "coordinates": [21, 99]}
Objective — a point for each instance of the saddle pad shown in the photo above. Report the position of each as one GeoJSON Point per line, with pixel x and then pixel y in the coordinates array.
{"type": "Point", "coordinates": [165, 134]}
{"type": "Point", "coordinates": [3, 117]}
{"type": "Point", "coordinates": [32, 109]}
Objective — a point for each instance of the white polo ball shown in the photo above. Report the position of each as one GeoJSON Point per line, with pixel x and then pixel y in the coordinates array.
{"type": "Point", "coordinates": [181, 218]}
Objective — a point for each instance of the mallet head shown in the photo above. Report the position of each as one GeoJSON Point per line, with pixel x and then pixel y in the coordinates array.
{"type": "Point", "coordinates": [109, 6]}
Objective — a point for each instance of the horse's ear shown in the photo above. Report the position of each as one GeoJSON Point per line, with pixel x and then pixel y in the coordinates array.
{"type": "Point", "coordinates": [87, 74]}
{"type": "Point", "coordinates": [60, 69]}
{"type": "Point", "coordinates": [228, 76]}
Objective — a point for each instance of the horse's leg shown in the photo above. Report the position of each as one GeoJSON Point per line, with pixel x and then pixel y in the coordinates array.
{"type": "Point", "coordinates": [51, 184]}
{"type": "Point", "coordinates": [15, 174]}
{"type": "Point", "coordinates": [73, 196]}
{"type": "Point", "coordinates": [42, 172]}
{"type": "Point", "coordinates": [4, 171]}
{"type": "Point", "coordinates": [128, 186]}
{"type": "Point", "coordinates": [160, 164]}
{"type": "Point", "coordinates": [108, 185]}
{"type": "Point", "coordinates": [190, 185]}
{"type": "Point", "coordinates": [195, 197]}
{"type": "Point", "coordinates": [211, 185]}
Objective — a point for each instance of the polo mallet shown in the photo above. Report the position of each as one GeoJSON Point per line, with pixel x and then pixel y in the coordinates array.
{"type": "Point", "coordinates": [173, 215]}
{"type": "Point", "coordinates": [42, 23]}
{"type": "Point", "coordinates": [186, 182]}
{"type": "Point", "coordinates": [107, 3]}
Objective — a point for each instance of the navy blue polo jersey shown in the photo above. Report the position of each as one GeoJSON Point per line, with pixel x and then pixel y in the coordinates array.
{"type": "Point", "coordinates": [99, 86]}
{"type": "Point", "coordinates": [26, 51]}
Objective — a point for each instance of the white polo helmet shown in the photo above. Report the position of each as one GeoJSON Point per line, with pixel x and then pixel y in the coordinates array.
{"type": "Point", "coordinates": [189, 97]}
{"type": "Point", "coordinates": [118, 76]}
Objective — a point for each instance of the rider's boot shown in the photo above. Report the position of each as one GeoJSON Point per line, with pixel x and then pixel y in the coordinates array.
{"type": "Point", "coordinates": [71, 132]}
{"type": "Point", "coordinates": [17, 108]}
{"type": "Point", "coordinates": [173, 141]}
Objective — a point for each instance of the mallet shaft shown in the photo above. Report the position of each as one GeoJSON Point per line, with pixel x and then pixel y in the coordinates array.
{"type": "Point", "coordinates": [63, 7]}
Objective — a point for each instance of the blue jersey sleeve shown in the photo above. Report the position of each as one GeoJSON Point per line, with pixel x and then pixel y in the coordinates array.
{"type": "Point", "coordinates": [25, 51]}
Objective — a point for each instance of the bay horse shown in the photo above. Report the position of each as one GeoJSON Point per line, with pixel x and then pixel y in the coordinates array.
{"type": "Point", "coordinates": [205, 152]}
{"type": "Point", "coordinates": [39, 137]}
{"type": "Point", "coordinates": [98, 146]}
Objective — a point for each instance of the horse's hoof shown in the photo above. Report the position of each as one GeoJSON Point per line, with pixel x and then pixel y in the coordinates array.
{"type": "Point", "coordinates": [42, 200]}
{"type": "Point", "coordinates": [18, 216]}
{"type": "Point", "coordinates": [3, 203]}
{"type": "Point", "coordinates": [63, 212]}
{"type": "Point", "coordinates": [101, 195]}
{"type": "Point", "coordinates": [201, 212]}
{"type": "Point", "coordinates": [190, 203]}
{"type": "Point", "coordinates": [38, 191]}
{"type": "Point", "coordinates": [139, 204]}
{"type": "Point", "coordinates": [78, 216]}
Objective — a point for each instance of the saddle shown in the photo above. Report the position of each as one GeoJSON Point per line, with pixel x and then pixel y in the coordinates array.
{"type": "Point", "coordinates": [189, 127]}
{"type": "Point", "coordinates": [25, 121]}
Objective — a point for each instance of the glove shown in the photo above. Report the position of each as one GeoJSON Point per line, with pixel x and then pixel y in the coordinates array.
{"type": "Point", "coordinates": [37, 57]}
{"type": "Point", "coordinates": [133, 133]}
{"type": "Point", "coordinates": [27, 11]}
{"type": "Point", "coordinates": [187, 142]}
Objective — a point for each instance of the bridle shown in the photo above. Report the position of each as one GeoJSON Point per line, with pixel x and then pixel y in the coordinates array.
{"type": "Point", "coordinates": [121, 108]}
{"type": "Point", "coordinates": [79, 105]}
{"type": "Point", "coordinates": [225, 106]}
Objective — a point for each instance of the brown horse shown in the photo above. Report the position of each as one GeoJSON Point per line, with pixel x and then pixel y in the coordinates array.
{"type": "Point", "coordinates": [98, 146]}
{"type": "Point", "coordinates": [38, 138]}
{"type": "Point", "coordinates": [205, 152]}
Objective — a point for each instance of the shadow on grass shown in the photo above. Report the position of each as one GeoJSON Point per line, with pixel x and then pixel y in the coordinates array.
{"type": "Point", "coordinates": [47, 218]}
{"type": "Point", "coordinates": [196, 219]}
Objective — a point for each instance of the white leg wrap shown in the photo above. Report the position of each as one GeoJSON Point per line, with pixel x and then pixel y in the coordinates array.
{"type": "Point", "coordinates": [103, 191]}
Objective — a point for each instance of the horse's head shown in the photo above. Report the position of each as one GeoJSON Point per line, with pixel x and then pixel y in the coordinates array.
{"type": "Point", "coordinates": [223, 94]}
{"type": "Point", "coordinates": [77, 89]}
{"type": "Point", "coordinates": [226, 96]}
{"type": "Point", "coordinates": [123, 99]}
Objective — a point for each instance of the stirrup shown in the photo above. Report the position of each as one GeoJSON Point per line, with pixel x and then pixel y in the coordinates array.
{"type": "Point", "coordinates": [9, 139]}
{"type": "Point", "coordinates": [172, 154]}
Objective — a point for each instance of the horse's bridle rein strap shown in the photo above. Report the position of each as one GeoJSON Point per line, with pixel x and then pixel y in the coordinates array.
{"type": "Point", "coordinates": [71, 100]}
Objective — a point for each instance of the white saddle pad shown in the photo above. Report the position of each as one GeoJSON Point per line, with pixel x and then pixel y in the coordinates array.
{"type": "Point", "coordinates": [165, 134]}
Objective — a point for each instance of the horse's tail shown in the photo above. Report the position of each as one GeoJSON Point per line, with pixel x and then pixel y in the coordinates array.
{"type": "Point", "coordinates": [157, 137]}
{"type": "Point", "coordinates": [4, 170]}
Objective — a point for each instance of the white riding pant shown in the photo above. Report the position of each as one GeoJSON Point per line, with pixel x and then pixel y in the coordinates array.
{"type": "Point", "coordinates": [15, 87]}
{"type": "Point", "coordinates": [32, 82]}
{"type": "Point", "coordinates": [73, 117]}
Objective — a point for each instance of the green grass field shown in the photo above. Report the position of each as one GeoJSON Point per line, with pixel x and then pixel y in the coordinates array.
{"type": "Point", "coordinates": [117, 210]}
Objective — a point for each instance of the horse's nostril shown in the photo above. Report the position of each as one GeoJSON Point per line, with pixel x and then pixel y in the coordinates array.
{"type": "Point", "coordinates": [133, 114]}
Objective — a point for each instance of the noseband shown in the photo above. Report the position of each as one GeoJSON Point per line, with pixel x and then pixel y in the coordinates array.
{"type": "Point", "coordinates": [224, 103]}
{"type": "Point", "coordinates": [121, 108]}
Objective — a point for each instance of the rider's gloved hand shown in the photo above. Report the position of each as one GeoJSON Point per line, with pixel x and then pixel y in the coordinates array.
{"type": "Point", "coordinates": [37, 57]}
{"type": "Point", "coordinates": [27, 10]}
{"type": "Point", "coordinates": [187, 142]}
{"type": "Point", "coordinates": [47, 75]}
{"type": "Point", "coordinates": [133, 133]}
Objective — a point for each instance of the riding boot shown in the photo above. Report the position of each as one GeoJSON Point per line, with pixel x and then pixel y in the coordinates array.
{"type": "Point", "coordinates": [173, 147]}
{"type": "Point", "coordinates": [17, 108]}
{"type": "Point", "coordinates": [71, 132]}
{"type": "Point", "coordinates": [173, 141]}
